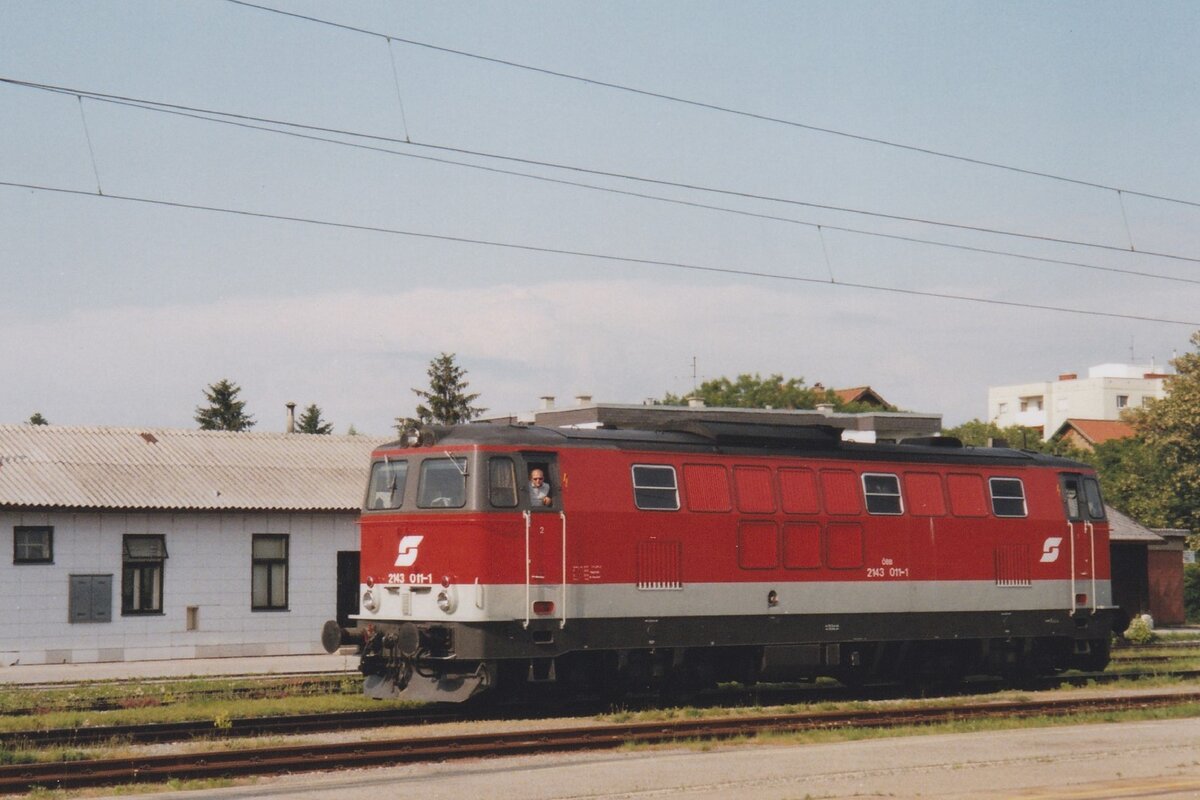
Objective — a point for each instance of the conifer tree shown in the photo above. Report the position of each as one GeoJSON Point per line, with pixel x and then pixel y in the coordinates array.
{"type": "Point", "coordinates": [448, 402]}
{"type": "Point", "coordinates": [224, 411]}
{"type": "Point", "coordinates": [310, 422]}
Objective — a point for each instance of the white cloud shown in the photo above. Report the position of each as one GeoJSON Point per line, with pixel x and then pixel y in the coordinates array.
{"type": "Point", "coordinates": [357, 355]}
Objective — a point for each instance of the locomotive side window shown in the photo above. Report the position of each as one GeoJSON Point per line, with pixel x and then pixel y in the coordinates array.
{"type": "Point", "coordinates": [443, 483]}
{"type": "Point", "coordinates": [882, 493]}
{"type": "Point", "coordinates": [707, 487]}
{"type": "Point", "coordinates": [502, 482]}
{"type": "Point", "coordinates": [1095, 505]}
{"type": "Point", "coordinates": [654, 488]}
{"type": "Point", "coordinates": [1008, 497]}
{"type": "Point", "coordinates": [386, 489]}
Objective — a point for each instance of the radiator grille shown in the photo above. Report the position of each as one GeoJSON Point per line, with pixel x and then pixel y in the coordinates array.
{"type": "Point", "coordinates": [1013, 565]}
{"type": "Point", "coordinates": [660, 566]}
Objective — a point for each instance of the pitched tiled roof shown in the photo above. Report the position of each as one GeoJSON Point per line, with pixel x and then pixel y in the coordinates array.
{"type": "Point", "coordinates": [150, 468]}
{"type": "Point", "coordinates": [1095, 431]}
{"type": "Point", "coordinates": [859, 394]}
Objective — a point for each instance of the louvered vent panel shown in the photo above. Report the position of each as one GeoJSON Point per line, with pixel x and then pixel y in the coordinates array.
{"type": "Point", "coordinates": [1012, 565]}
{"type": "Point", "coordinates": [660, 566]}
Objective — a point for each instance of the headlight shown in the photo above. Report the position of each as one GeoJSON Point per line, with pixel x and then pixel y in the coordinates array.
{"type": "Point", "coordinates": [369, 602]}
{"type": "Point", "coordinates": [447, 601]}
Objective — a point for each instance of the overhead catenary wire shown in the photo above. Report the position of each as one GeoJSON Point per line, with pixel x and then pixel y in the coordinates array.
{"type": "Point", "coordinates": [720, 108]}
{"type": "Point", "coordinates": [609, 257]}
{"type": "Point", "coordinates": [216, 115]}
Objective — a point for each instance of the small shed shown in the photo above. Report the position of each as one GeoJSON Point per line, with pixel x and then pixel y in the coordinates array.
{"type": "Point", "coordinates": [1147, 569]}
{"type": "Point", "coordinates": [137, 544]}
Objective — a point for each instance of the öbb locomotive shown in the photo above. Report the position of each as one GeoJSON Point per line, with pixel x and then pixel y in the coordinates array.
{"type": "Point", "coordinates": [720, 552]}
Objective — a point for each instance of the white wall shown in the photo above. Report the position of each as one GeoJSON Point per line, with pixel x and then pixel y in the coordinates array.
{"type": "Point", "coordinates": [208, 566]}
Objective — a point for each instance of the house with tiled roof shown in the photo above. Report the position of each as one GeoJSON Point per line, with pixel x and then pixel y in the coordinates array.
{"type": "Point", "coordinates": [1085, 434]}
{"type": "Point", "coordinates": [861, 394]}
{"type": "Point", "coordinates": [138, 544]}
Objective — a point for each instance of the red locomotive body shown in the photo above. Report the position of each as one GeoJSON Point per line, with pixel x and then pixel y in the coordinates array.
{"type": "Point", "coordinates": [721, 551]}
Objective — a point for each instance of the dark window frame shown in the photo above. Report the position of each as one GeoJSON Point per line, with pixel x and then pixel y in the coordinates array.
{"type": "Point", "coordinates": [427, 496]}
{"type": "Point", "coordinates": [1007, 498]}
{"type": "Point", "coordinates": [384, 480]}
{"type": "Point", "coordinates": [270, 564]}
{"type": "Point", "coordinates": [879, 503]}
{"type": "Point", "coordinates": [500, 495]}
{"type": "Point", "coordinates": [19, 530]}
{"type": "Point", "coordinates": [644, 493]}
{"type": "Point", "coordinates": [143, 577]}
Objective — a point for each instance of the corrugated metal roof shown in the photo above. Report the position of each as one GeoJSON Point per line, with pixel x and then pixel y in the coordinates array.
{"type": "Point", "coordinates": [155, 468]}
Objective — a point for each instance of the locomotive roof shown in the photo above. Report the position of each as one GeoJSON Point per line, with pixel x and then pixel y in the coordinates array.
{"type": "Point", "coordinates": [730, 438]}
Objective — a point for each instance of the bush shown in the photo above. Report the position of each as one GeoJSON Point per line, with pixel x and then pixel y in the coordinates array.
{"type": "Point", "coordinates": [1191, 592]}
{"type": "Point", "coordinates": [1140, 632]}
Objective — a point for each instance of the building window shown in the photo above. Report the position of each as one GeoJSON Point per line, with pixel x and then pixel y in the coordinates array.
{"type": "Point", "coordinates": [1008, 497]}
{"type": "Point", "coordinates": [33, 544]}
{"type": "Point", "coordinates": [269, 572]}
{"type": "Point", "coordinates": [1122, 400]}
{"type": "Point", "coordinates": [654, 488]}
{"type": "Point", "coordinates": [1002, 408]}
{"type": "Point", "coordinates": [143, 558]}
{"type": "Point", "coordinates": [882, 493]}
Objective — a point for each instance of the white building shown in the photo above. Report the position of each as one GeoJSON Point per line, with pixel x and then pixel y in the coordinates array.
{"type": "Point", "coordinates": [1107, 390]}
{"type": "Point", "coordinates": [135, 544]}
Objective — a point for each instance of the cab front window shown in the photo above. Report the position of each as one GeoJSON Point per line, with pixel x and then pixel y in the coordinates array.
{"type": "Point", "coordinates": [386, 489]}
{"type": "Point", "coordinates": [443, 483]}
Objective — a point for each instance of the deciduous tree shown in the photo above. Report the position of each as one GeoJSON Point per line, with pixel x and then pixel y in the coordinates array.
{"type": "Point", "coordinates": [1170, 430]}
{"type": "Point", "coordinates": [754, 391]}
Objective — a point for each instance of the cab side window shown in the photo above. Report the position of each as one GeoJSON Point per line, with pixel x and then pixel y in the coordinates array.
{"type": "Point", "coordinates": [502, 482]}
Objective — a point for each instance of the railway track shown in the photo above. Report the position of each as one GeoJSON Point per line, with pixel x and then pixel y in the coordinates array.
{"type": "Point", "coordinates": [151, 733]}
{"type": "Point", "coordinates": [351, 755]}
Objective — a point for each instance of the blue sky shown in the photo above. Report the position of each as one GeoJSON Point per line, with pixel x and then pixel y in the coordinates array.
{"type": "Point", "coordinates": [115, 312]}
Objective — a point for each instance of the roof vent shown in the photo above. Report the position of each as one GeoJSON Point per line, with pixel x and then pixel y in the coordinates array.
{"type": "Point", "coordinates": [149, 437]}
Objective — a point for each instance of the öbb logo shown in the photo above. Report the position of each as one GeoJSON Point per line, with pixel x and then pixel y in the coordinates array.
{"type": "Point", "coordinates": [1050, 549]}
{"type": "Point", "coordinates": [407, 555]}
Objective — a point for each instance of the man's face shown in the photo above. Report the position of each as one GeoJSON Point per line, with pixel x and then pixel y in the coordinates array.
{"type": "Point", "coordinates": [536, 477]}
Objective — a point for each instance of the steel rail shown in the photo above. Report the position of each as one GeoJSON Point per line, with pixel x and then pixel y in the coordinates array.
{"type": "Point", "coordinates": [358, 754]}
{"type": "Point", "coordinates": [148, 733]}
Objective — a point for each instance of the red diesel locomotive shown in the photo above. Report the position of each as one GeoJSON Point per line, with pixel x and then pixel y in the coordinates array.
{"type": "Point", "coordinates": [721, 551]}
